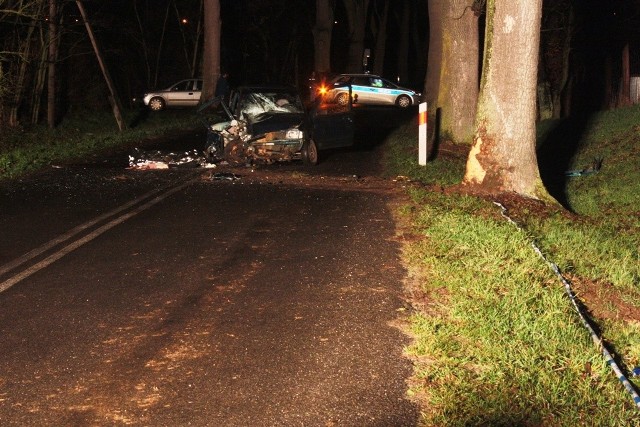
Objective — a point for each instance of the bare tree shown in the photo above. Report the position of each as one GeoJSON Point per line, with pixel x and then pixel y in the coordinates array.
{"type": "Point", "coordinates": [211, 61]}
{"type": "Point", "coordinates": [503, 156]}
{"type": "Point", "coordinates": [22, 47]}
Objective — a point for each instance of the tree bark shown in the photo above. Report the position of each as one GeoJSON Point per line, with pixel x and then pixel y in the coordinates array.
{"type": "Point", "coordinates": [357, 16]}
{"type": "Point", "coordinates": [52, 59]}
{"type": "Point", "coordinates": [322, 33]}
{"type": "Point", "coordinates": [381, 41]}
{"type": "Point", "coordinates": [403, 46]}
{"type": "Point", "coordinates": [458, 88]}
{"type": "Point", "coordinates": [503, 157]}
{"type": "Point", "coordinates": [624, 98]}
{"type": "Point", "coordinates": [434, 63]}
{"type": "Point", "coordinates": [211, 61]}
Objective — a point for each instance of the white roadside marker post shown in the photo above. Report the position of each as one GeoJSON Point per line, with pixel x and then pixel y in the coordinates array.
{"type": "Point", "coordinates": [422, 134]}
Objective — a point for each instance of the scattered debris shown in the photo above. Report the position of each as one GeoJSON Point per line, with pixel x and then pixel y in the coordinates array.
{"type": "Point", "coordinates": [594, 167]}
{"type": "Point", "coordinates": [226, 176]}
{"type": "Point", "coordinates": [157, 159]}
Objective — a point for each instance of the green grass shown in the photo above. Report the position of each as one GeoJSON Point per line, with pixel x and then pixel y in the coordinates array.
{"type": "Point", "coordinates": [30, 149]}
{"type": "Point", "coordinates": [496, 341]}
{"type": "Point", "coordinates": [402, 155]}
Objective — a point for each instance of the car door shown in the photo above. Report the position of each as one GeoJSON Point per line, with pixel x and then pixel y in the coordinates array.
{"type": "Point", "coordinates": [193, 95]}
{"type": "Point", "coordinates": [384, 92]}
{"type": "Point", "coordinates": [176, 95]}
{"type": "Point", "coordinates": [331, 124]}
{"type": "Point", "coordinates": [362, 90]}
{"type": "Point", "coordinates": [184, 94]}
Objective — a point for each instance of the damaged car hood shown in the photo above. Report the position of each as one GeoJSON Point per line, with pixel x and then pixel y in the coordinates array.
{"type": "Point", "coordinates": [273, 121]}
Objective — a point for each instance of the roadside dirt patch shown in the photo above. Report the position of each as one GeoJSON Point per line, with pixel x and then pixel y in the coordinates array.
{"type": "Point", "coordinates": [603, 301]}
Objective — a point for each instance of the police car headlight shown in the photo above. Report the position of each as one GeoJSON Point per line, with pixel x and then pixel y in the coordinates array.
{"type": "Point", "coordinates": [294, 134]}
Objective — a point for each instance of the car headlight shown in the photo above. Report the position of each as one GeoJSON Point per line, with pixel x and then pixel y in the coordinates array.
{"type": "Point", "coordinates": [294, 134]}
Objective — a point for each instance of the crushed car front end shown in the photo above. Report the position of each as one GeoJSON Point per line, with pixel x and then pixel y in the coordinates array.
{"type": "Point", "coordinates": [264, 126]}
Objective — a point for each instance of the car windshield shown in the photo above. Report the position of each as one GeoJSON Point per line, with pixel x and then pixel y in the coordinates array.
{"type": "Point", "coordinates": [256, 103]}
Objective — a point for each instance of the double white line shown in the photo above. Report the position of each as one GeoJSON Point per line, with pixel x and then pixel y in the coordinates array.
{"type": "Point", "coordinates": [121, 214]}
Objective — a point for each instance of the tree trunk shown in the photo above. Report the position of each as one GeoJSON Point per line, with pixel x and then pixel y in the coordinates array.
{"type": "Point", "coordinates": [458, 88]}
{"type": "Point", "coordinates": [322, 32]}
{"type": "Point", "coordinates": [503, 157]}
{"type": "Point", "coordinates": [39, 79]}
{"type": "Point", "coordinates": [211, 61]}
{"type": "Point", "coordinates": [18, 82]}
{"type": "Point", "coordinates": [357, 16]}
{"type": "Point", "coordinates": [624, 98]}
{"type": "Point", "coordinates": [381, 41]}
{"type": "Point", "coordinates": [434, 63]}
{"type": "Point", "coordinates": [403, 46]}
{"type": "Point", "coordinates": [53, 57]}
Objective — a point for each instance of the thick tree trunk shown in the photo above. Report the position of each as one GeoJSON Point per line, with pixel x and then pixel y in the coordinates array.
{"type": "Point", "coordinates": [624, 98]}
{"type": "Point", "coordinates": [357, 16]}
{"type": "Point", "coordinates": [322, 32]}
{"type": "Point", "coordinates": [381, 41]}
{"type": "Point", "coordinates": [503, 157]}
{"type": "Point", "coordinates": [403, 46]}
{"type": "Point", "coordinates": [434, 63]}
{"type": "Point", "coordinates": [211, 62]}
{"type": "Point", "coordinates": [458, 88]}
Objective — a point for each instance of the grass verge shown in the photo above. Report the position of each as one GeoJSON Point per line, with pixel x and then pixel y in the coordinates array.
{"type": "Point", "coordinates": [496, 339]}
{"type": "Point", "coordinates": [25, 150]}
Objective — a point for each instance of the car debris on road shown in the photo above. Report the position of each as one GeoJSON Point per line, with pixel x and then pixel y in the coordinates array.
{"type": "Point", "coordinates": [157, 159]}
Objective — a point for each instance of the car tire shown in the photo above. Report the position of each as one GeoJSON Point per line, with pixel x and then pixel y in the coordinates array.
{"type": "Point", "coordinates": [156, 104]}
{"type": "Point", "coordinates": [403, 101]}
{"type": "Point", "coordinates": [342, 99]}
{"type": "Point", "coordinates": [310, 154]}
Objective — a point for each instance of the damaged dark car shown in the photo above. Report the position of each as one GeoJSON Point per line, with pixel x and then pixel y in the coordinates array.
{"type": "Point", "coordinates": [266, 124]}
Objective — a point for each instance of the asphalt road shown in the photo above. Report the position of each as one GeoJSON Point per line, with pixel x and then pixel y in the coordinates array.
{"type": "Point", "coordinates": [168, 298]}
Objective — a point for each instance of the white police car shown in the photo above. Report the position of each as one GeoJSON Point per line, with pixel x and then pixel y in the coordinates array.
{"type": "Point", "coordinates": [369, 89]}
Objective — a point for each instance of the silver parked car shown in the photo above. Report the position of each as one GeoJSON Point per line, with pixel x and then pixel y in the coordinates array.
{"type": "Point", "coordinates": [185, 93]}
{"type": "Point", "coordinates": [369, 89]}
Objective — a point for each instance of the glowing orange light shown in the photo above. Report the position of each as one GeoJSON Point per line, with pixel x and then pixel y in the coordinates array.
{"type": "Point", "coordinates": [322, 90]}
{"type": "Point", "coordinates": [184, 21]}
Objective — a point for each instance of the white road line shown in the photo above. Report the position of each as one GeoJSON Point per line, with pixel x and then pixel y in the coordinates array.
{"type": "Point", "coordinates": [71, 233]}
{"type": "Point", "coordinates": [87, 238]}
